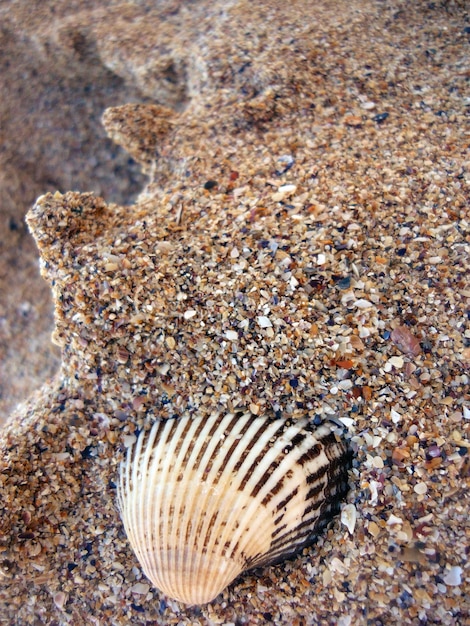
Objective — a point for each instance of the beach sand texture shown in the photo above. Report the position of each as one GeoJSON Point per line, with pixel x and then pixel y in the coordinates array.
{"type": "Point", "coordinates": [272, 215]}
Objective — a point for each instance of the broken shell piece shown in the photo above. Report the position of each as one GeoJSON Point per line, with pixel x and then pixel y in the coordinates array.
{"type": "Point", "coordinates": [203, 499]}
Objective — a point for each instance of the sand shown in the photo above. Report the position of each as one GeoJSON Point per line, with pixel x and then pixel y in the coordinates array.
{"type": "Point", "coordinates": [300, 248]}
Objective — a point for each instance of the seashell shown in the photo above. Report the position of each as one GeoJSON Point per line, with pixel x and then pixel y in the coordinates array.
{"type": "Point", "coordinates": [204, 499]}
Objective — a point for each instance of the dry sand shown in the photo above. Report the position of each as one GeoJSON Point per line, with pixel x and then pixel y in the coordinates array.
{"type": "Point", "coordinates": [301, 247]}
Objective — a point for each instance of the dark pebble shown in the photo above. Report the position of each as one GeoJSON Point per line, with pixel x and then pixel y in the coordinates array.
{"type": "Point", "coordinates": [87, 452]}
{"type": "Point", "coordinates": [380, 117]}
{"type": "Point", "coordinates": [344, 283]}
{"type": "Point", "coordinates": [210, 184]}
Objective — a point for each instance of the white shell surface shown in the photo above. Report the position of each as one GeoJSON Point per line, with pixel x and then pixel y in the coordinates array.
{"type": "Point", "coordinates": [203, 499]}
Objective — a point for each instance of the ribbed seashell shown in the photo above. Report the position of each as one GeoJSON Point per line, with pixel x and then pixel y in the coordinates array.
{"type": "Point", "coordinates": [203, 499]}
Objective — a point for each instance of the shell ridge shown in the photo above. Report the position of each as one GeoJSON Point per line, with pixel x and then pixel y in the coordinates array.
{"type": "Point", "coordinates": [148, 466]}
{"type": "Point", "coordinates": [162, 465]}
{"type": "Point", "coordinates": [292, 524]}
{"type": "Point", "coordinates": [238, 496]}
{"type": "Point", "coordinates": [185, 464]}
{"type": "Point", "coordinates": [149, 473]}
{"type": "Point", "coordinates": [169, 510]}
{"type": "Point", "coordinates": [221, 510]}
{"type": "Point", "coordinates": [320, 511]}
{"type": "Point", "coordinates": [266, 524]}
{"type": "Point", "coordinates": [133, 464]}
{"type": "Point", "coordinates": [224, 509]}
{"type": "Point", "coordinates": [208, 505]}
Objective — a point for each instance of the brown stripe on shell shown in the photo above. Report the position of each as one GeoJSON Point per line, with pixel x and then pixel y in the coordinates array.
{"type": "Point", "coordinates": [204, 499]}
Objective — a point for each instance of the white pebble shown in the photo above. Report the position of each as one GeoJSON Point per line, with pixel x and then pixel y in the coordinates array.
{"type": "Point", "coordinates": [363, 304]}
{"type": "Point", "coordinates": [420, 488]}
{"type": "Point", "coordinates": [377, 462]}
{"type": "Point", "coordinates": [349, 516]}
{"type": "Point", "coordinates": [394, 519]}
{"type": "Point", "coordinates": [337, 565]}
{"type": "Point", "coordinates": [283, 192]}
{"type": "Point", "coordinates": [396, 361]}
{"type": "Point", "coordinates": [189, 314]}
{"type": "Point", "coordinates": [231, 335]}
{"type": "Point", "coordinates": [264, 321]}
{"type": "Point", "coordinates": [285, 189]}
{"type": "Point", "coordinates": [347, 421]}
{"type": "Point", "coordinates": [453, 577]}
{"type": "Point", "coordinates": [140, 588]}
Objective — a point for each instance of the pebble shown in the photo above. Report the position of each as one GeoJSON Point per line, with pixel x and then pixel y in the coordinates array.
{"type": "Point", "coordinates": [378, 462]}
{"type": "Point", "coordinates": [453, 576]}
{"type": "Point", "coordinates": [140, 588]}
{"type": "Point", "coordinates": [264, 321]}
{"type": "Point", "coordinates": [349, 517]}
{"type": "Point", "coordinates": [420, 488]}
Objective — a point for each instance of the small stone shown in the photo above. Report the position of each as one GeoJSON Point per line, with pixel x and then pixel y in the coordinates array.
{"type": "Point", "coordinates": [337, 565]}
{"type": "Point", "coordinates": [380, 117]}
{"type": "Point", "coordinates": [140, 588]}
{"type": "Point", "coordinates": [373, 529]}
{"type": "Point", "coordinates": [399, 455]}
{"type": "Point", "coordinates": [453, 577]}
{"type": "Point", "coordinates": [396, 362]}
{"type": "Point", "coordinates": [353, 120]}
{"type": "Point", "coordinates": [405, 341]}
{"type": "Point", "coordinates": [362, 304]}
{"type": "Point", "coordinates": [283, 192]}
{"type": "Point", "coordinates": [60, 598]}
{"type": "Point", "coordinates": [287, 189]}
{"type": "Point", "coordinates": [377, 462]}
{"type": "Point", "coordinates": [264, 321]}
{"type": "Point", "coordinates": [347, 421]}
{"type": "Point", "coordinates": [349, 516]}
{"type": "Point", "coordinates": [170, 342]}
{"type": "Point", "coordinates": [420, 488]}
{"type": "Point", "coordinates": [356, 343]}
